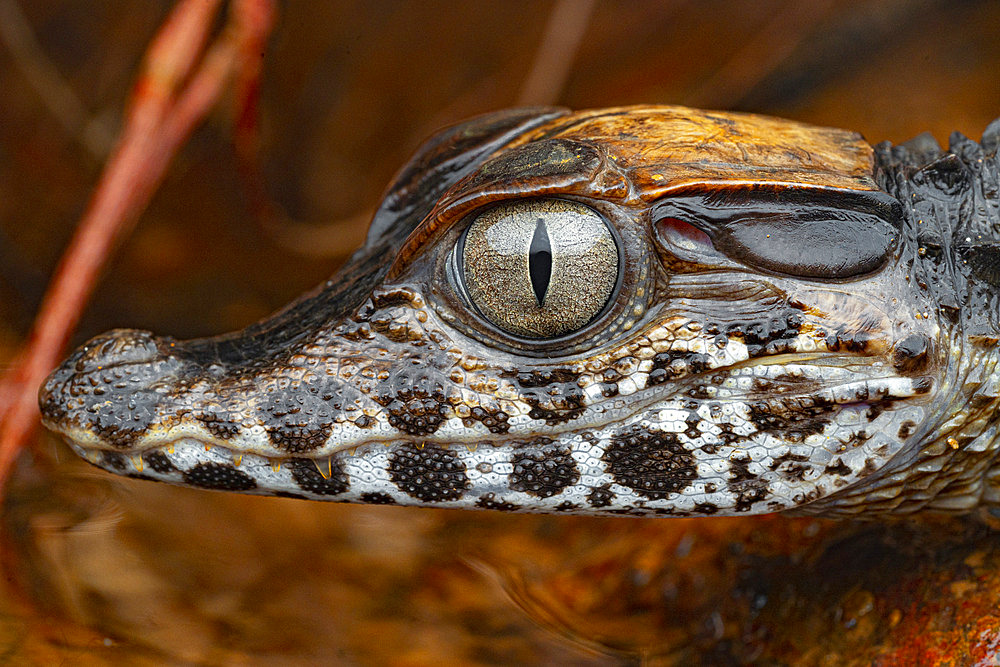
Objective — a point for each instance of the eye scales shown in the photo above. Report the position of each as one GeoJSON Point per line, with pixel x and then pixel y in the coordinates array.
{"type": "Point", "coordinates": [753, 315]}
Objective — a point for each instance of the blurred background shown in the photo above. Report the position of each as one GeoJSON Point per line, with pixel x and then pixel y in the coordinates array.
{"type": "Point", "coordinates": [105, 570]}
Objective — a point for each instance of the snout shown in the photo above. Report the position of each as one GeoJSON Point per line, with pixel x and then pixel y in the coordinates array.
{"type": "Point", "coordinates": [109, 388]}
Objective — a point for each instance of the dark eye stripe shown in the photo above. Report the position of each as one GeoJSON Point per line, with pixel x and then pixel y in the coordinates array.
{"type": "Point", "coordinates": [814, 234]}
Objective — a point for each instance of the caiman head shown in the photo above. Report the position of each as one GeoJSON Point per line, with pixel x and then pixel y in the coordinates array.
{"type": "Point", "coordinates": [648, 310]}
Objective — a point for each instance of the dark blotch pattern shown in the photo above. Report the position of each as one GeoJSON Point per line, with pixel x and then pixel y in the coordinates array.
{"type": "Point", "coordinates": [692, 420]}
{"type": "Point", "coordinates": [791, 466]}
{"type": "Point", "coordinates": [428, 473]}
{"type": "Point", "coordinates": [298, 419]}
{"type": "Point", "coordinates": [543, 471]}
{"type": "Point", "coordinates": [839, 468]}
{"type": "Point", "coordinates": [783, 383]}
{"type": "Point", "coordinates": [417, 416]}
{"type": "Point", "coordinates": [376, 498]}
{"type": "Point", "coordinates": [672, 364]}
{"type": "Point", "coordinates": [765, 334]}
{"type": "Point", "coordinates": [114, 460]}
{"type": "Point", "coordinates": [219, 476]}
{"type": "Point", "coordinates": [739, 471]}
{"type": "Point", "coordinates": [493, 419]}
{"type": "Point", "coordinates": [747, 486]}
{"type": "Point", "coordinates": [542, 377]}
{"type": "Point", "coordinates": [159, 462]}
{"type": "Point", "coordinates": [558, 409]}
{"type": "Point", "coordinates": [413, 403]}
{"type": "Point", "coordinates": [600, 496]}
{"type": "Point", "coordinates": [848, 340]}
{"type": "Point", "coordinates": [868, 468]}
{"type": "Point", "coordinates": [553, 395]}
{"type": "Point", "coordinates": [117, 426]}
{"type": "Point", "coordinates": [706, 508]}
{"type": "Point", "coordinates": [51, 403]}
{"type": "Point", "coordinates": [490, 502]}
{"type": "Point", "coordinates": [794, 426]}
{"type": "Point", "coordinates": [219, 426]}
{"type": "Point", "coordinates": [652, 463]}
{"type": "Point", "coordinates": [307, 476]}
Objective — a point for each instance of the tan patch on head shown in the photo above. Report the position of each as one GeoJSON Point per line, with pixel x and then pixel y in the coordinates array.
{"type": "Point", "coordinates": [661, 148]}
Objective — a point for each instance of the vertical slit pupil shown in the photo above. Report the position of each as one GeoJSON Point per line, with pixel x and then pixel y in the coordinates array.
{"type": "Point", "coordinates": [540, 262]}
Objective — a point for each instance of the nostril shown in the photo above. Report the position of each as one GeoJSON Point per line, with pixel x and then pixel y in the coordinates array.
{"type": "Point", "coordinates": [120, 346]}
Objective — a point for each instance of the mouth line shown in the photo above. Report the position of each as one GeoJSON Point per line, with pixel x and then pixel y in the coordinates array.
{"type": "Point", "coordinates": [845, 394]}
{"type": "Point", "coordinates": [814, 358]}
{"type": "Point", "coordinates": [212, 453]}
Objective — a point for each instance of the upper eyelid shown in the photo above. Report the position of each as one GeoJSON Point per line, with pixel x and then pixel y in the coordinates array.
{"type": "Point", "coordinates": [711, 207]}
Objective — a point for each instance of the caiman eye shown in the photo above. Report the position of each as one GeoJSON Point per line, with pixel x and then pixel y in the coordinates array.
{"type": "Point", "coordinates": [540, 268]}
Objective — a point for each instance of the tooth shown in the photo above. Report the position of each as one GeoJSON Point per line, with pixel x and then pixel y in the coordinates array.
{"type": "Point", "coordinates": [275, 465]}
{"type": "Point", "coordinates": [170, 448]}
{"type": "Point", "coordinates": [137, 461]}
{"type": "Point", "coordinates": [328, 473]}
{"type": "Point", "coordinates": [208, 447]}
{"type": "Point", "coordinates": [353, 451]}
{"type": "Point", "coordinates": [472, 448]}
{"type": "Point", "coordinates": [237, 459]}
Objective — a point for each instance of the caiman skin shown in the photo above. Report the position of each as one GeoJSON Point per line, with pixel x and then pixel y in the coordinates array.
{"type": "Point", "coordinates": [793, 321]}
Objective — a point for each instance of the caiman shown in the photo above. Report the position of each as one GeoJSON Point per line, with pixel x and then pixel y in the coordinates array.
{"type": "Point", "coordinates": [650, 311]}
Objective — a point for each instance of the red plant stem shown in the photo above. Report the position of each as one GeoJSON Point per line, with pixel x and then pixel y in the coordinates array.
{"type": "Point", "coordinates": [180, 82]}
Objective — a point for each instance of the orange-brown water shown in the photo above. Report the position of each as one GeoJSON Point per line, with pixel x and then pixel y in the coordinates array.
{"type": "Point", "coordinates": [105, 570]}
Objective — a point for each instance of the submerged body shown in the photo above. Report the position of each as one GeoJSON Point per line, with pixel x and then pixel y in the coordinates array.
{"type": "Point", "coordinates": [646, 310]}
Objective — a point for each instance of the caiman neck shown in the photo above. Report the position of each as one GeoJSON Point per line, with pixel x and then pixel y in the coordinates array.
{"type": "Point", "coordinates": [952, 228]}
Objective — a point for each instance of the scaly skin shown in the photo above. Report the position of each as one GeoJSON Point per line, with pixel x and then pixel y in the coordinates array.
{"type": "Point", "coordinates": [732, 372]}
